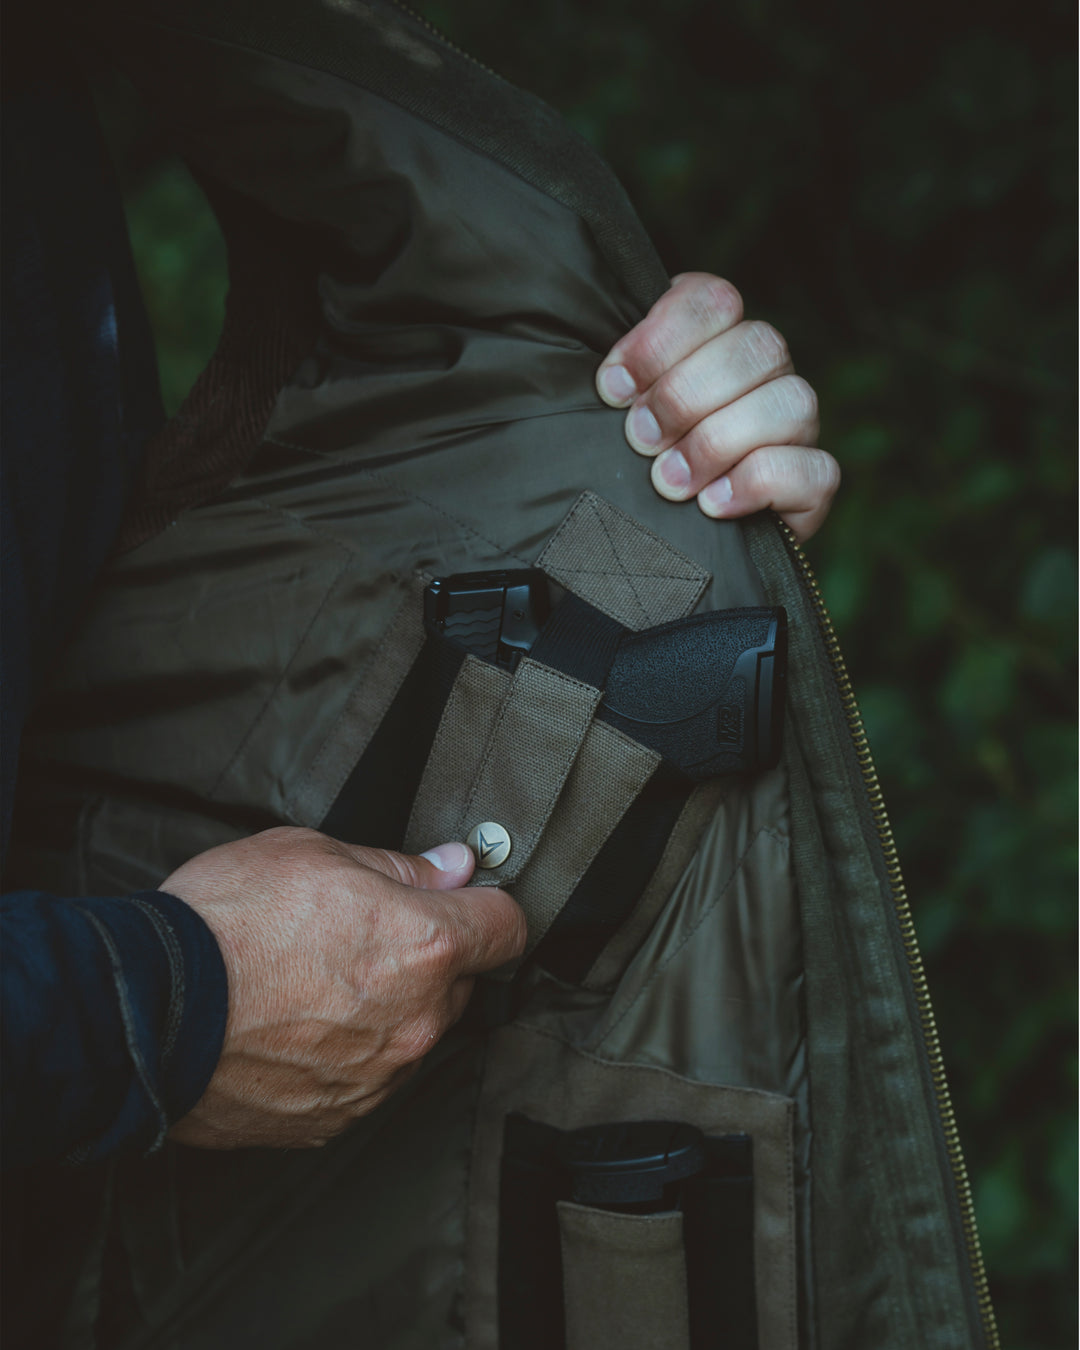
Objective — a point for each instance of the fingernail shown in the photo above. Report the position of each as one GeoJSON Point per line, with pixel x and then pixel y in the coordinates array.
{"type": "Point", "coordinates": [448, 857]}
{"type": "Point", "coordinates": [617, 385]}
{"type": "Point", "coordinates": [643, 428]}
{"type": "Point", "coordinates": [714, 499]}
{"type": "Point", "coordinates": [674, 473]}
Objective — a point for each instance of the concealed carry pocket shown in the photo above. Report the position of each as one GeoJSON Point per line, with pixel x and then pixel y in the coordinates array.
{"type": "Point", "coordinates": [560, 719]}
{"type": "Point", "coordinates": [615, 1206]}
{"type": "Point", "coordinates": [584, 809]}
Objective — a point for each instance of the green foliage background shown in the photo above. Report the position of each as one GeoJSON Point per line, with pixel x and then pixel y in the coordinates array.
{"type": "Point", "coordinates": [894, 191]}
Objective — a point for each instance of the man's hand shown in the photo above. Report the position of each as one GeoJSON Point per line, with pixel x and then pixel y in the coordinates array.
{"type": "Point", "coordinates": [716, 399]}
{"type": "Point", "coordinates": [345, 967]}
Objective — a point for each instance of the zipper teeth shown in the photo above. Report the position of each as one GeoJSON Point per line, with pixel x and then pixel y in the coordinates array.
{"type": "Point", "coordinates": [907, 932]}
{"type": "Point", "coordinates": [442, 38]}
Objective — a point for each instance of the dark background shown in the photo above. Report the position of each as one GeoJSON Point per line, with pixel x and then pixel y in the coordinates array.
{"type": "Point", "coordinates": [894, 191]}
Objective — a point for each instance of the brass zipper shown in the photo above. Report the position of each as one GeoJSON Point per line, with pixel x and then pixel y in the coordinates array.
{"type": "Point", "coordinates": [444, 40]}
{"type": "Point", "coordinates": [907, 933]}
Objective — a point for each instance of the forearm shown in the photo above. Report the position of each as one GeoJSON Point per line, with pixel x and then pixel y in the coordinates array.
{"type": "Point", "coordinates": [113, 1019]}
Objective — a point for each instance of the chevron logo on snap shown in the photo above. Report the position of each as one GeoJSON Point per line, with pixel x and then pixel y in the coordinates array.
{"type": "Point", "coordinates": [491, 844]}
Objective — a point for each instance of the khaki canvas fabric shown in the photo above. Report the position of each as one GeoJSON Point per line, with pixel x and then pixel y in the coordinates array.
{"type": "Point", "coordinates": [624, 1280]}
{"type": "Point", "coordinates": [522, 756]}
{"type": "Point", "coordinates": [475, 699]}
{"type": "Point", "coordinates": [537, 735]}
{"type": "Point", "coordinates": [620, 567]}
{"type": "Point", "coordinates": [606, 778]}
{"type": "Point", "coordinates": [555, 779]}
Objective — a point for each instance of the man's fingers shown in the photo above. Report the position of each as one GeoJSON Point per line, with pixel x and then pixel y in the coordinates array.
{"type": "Point", "coordinates": [715, 401]}
{"type": "Point", "coordinates": [698, 307]}
{"type": "Point", "coordinates": [485, 926]}
{"type": "Point", "coordinates": [721, 373]}
{"type": "Point", "coordinates": [798, 482]}
{"type": "Point", "coordinates": [783, 412]}
{"type": "Point", "coordinates": [438, 869]}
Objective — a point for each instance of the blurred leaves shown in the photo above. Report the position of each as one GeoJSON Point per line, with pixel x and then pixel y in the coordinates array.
{"type": "Point", "coordinates": [178, 249]}
{"type": "Point", "coordinates": [894, 190]}
{"type": "Point", "coordinates": [182, 271]}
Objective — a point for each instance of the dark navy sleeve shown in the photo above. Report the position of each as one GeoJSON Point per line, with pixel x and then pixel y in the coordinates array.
{"type": "Point", "coordinates": [114, 1016]}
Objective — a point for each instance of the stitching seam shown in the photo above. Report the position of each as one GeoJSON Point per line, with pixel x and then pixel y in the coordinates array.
{"type": "Point", "coordinates": [639, 576]}
{"type": "Point", "coordinates": [624, 1065]}
{"type": "Point", "coordinates": [663, 544]}
{"type": "Point", "coordinates": [618, 558]}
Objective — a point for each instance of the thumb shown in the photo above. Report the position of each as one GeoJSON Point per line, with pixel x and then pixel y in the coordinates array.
{"type": "Point", "coordinates": [438, 869]}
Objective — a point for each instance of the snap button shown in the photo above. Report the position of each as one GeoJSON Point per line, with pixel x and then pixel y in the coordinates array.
{"type": "Point", "coordinates": [490, 843]}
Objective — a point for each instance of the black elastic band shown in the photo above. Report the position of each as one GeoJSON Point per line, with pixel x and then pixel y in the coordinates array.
{"type": "Point", "coordinates": [374, 805]}
{"type": "Point", "coordinates": [530, 1258]}
{"type": "Point", "coordinates": [718, 1232]}
{"type": "Point", "coordinates": [615, 878]}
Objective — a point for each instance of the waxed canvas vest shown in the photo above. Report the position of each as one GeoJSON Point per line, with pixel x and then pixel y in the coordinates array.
{"type": "Point", "coordinates": [427, 266]}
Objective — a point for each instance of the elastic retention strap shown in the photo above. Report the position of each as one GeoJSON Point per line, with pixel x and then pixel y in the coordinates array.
{"type": "Point", "coordinates": [718, 1229]}
{"type": "Point", "coordinates": [530, 1260]}
{"type": "Point", "coordinates": [373, 807]}
{"type": "Point", "coordinates": [616, 877]}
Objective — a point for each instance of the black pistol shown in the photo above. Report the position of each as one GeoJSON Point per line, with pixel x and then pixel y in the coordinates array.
{"type": "Point", "coordinates": [707, 691]}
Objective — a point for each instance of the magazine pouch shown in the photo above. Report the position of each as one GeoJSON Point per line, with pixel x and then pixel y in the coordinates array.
{"type": "Point", "coordinates": [626, 1207]}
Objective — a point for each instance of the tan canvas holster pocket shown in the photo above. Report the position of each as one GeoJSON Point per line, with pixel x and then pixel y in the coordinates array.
{"type": "Point", "coordinates": [509, 767]}
{"type": "Point", "coordinates": [525, 752]}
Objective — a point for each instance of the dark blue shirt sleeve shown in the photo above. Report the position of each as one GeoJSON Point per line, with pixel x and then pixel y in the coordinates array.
{"type": "Point", "coordinates": [114, 1017]}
